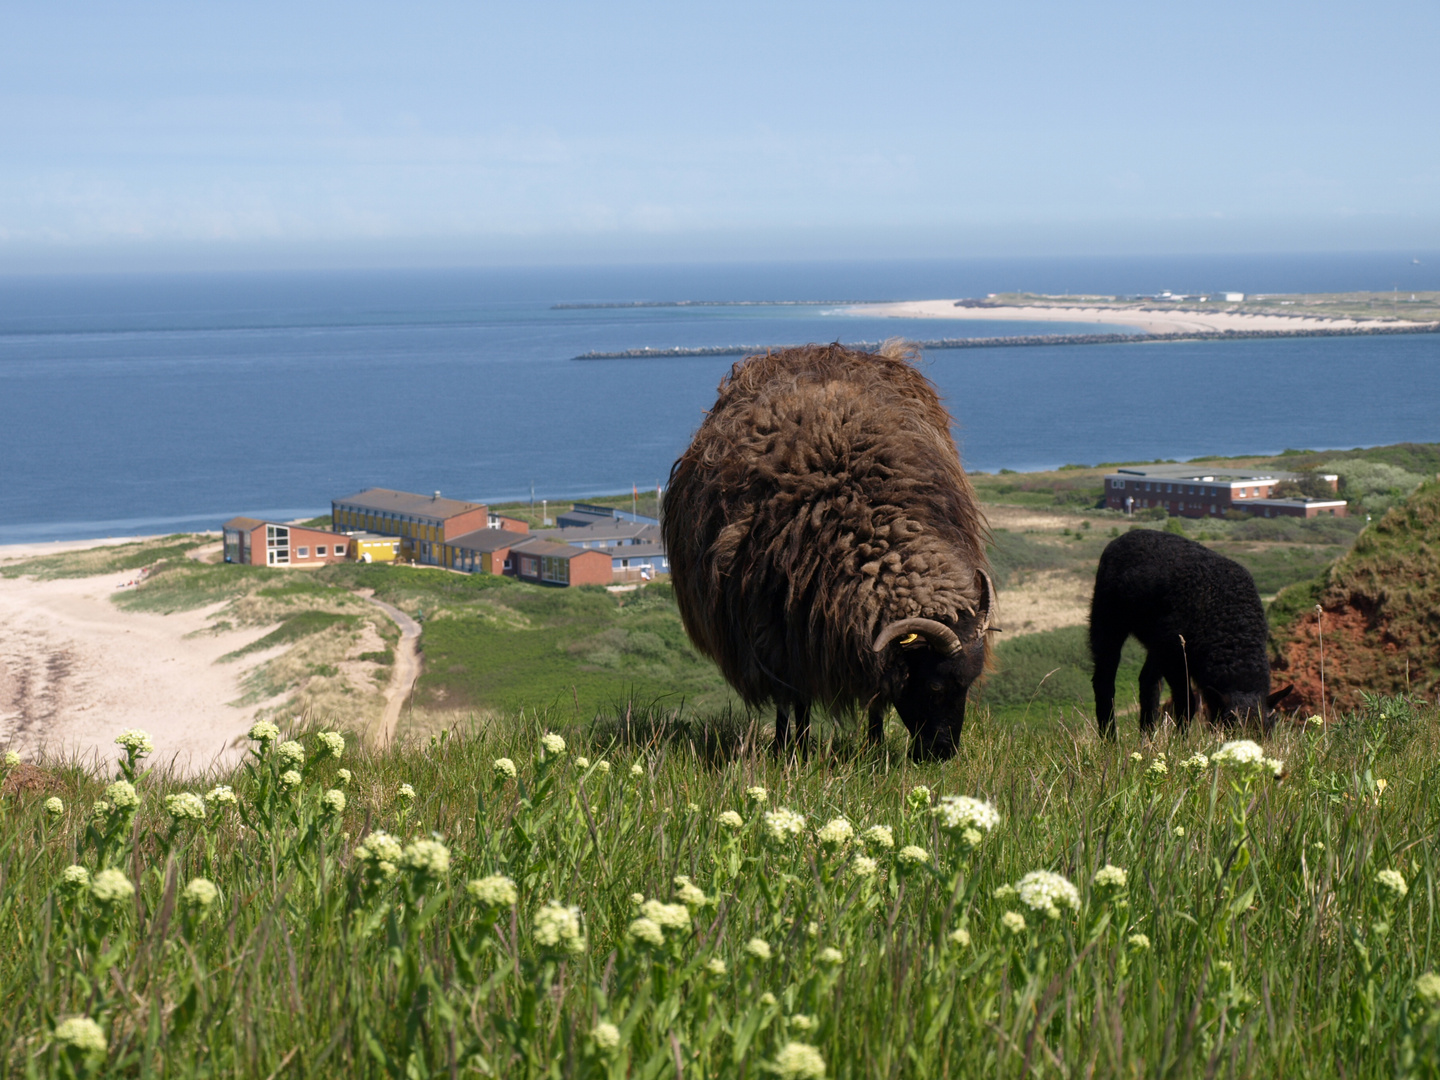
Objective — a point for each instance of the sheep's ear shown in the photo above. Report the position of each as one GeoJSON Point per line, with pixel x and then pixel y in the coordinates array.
{"type": "Point", "coordinates": [1278, 696]}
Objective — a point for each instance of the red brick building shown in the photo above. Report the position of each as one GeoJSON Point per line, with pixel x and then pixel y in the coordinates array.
{"type": "Point", "coordinates": [424, 523]}
{"type": "Point", "coordinates": [1185, 491]}
{"type": "Point", "coordinates": [560, 564]}
{"type": "Point", "coordinates": [253, 542]}
{"type": "Point", "coordinates": [486, 551]}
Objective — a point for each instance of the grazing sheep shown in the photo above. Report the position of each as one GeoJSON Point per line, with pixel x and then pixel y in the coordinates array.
{"type": "Point", "coordinates": [826, 546]}
{"type": "Point", "coordinates": [1199, 616]}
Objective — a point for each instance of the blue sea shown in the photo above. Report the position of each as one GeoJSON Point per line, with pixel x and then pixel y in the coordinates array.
{"type": "Point", "coordinates": [149, 403]}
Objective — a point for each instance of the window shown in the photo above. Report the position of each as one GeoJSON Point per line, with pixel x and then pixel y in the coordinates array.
{"type": "Point", "coordinates": [320, 550]}
{"type": "Point", "coordinates": [303, 552]}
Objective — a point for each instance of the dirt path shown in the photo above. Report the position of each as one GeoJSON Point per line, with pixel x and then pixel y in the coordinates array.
{"type": "Point", "coordinates": [407, 670]}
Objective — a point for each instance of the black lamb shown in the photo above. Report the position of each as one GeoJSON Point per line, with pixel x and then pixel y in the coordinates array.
{"type": "Point", "coordinates": [1199, 616]}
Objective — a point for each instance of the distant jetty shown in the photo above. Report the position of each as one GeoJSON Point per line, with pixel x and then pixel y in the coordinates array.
{"type": "Point", "coordinates": [587, 305]}
{"type": "Point", "coordinates": [1029, 340]}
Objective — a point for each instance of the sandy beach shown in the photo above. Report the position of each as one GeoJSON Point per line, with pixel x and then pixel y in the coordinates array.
{"type": "Point", "coordinates": [1150, 320]}
{"type": "Point", "coordinates": [76, 670]}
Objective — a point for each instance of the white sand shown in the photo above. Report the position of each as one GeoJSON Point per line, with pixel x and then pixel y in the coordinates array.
{"type": "Point", "coordinates": [1151, 320]}
{"type": "Point", "coordinates": [76, 670]}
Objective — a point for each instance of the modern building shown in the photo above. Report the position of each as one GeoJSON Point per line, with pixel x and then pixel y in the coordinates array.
{"type": "Point", "coordinates": [1207, 491]}
{"type": "Point", "coordinates": [252, 542]}
{"type": "Point", "coordinates": [424, 523]}
{"type": "Point", "coordinates": [369, 547]}
{"type": "Point", "coordinates": [638, 561]}
{"type": "Point", "coordinates": [605, 534]}
{"type": "Point", "coordinates": [581, 514]}
{"type": "Point", "coordinates": [486, 551]}
{"type": "Point", "coordinates": [549, 563]}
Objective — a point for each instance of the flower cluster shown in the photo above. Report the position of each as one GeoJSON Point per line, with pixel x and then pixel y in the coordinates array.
{"type": "Point", "coordinates": [688, 893]}
{"type": "Point", "coordinates": [290, 779]}
{"type": "Point", "coordinates": [1195, 764]}
{"type": "Point", "coordinates": [757, 794]}
{"type": "Point", "coordinates": [54, 807]}
{"type": "Point", "coordinates": [918, 797]}
{"type": "Point", "coordinates": [1110, 877]}
{"type": "Point", "coordinates": [800, 1061]}
{"type": "Point", "coordinates": [552, 743]}
{"type": "Point", "coordinates": [879, 836]}
{"type": "Point", "coordinates": [137, 743]}
{"type": "Point", "coordinates": [122, 796]}
{"type": "Point", "coordinates": [1245, 758]}
{"type": "Point", "coordinates": [186, 806]}
{"type": "Point", "coordinates": [75, 876]}
{"type": "Point", "coordinates": [606, 1037]}
{"type": "Point", "coordinates": [81, 1034]}
{"type": "Point", "coordinates": [759, 948]}
{"type": "Point", "coordinates": [835, 833]}
{"type": "Point", "coordinates": [263, 731]}
{"type": "Point", "coordinates": [426, 858]}
{"type": "Point", "coordinates": [381, 852]}
{"type": "Point", "coordinates": [290, 754]}
{"type": "Point", "coordinates": [221, 795]}
{"type": "Point", "coordinates": [496, 891]}
{"type": "Point", "coordinates": [913, 855]}
{"type": "Point", "coordinates": [200, 893]}
{"type": "Point", "coordinates": [331, 742]}
{"type": "Point", "coordinates": [965, 818]}
{"type": "Point", "coordinates": [504, 768]}
{"type": "Point", "coordinates": [864, 866]}
{"type": "Point", "coordinates": [1392, 884]}
{"type": "Point", "coordinates": [111, 887]}
{"type": "Point", "coordinates": [332, 803]}
{"type": "Point", "coordinates": [1041, 890]}
{"type": "Point", "coordinates": [405, 793]}
{"type": "Point", "coordinates": [730, 819]}
{"type": "Point", "coordinates": [558, 927]}
{"type": "Point", "coordinates": [783, 825]}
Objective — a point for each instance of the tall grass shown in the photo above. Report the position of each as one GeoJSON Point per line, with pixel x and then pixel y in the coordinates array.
{"type": "Point", "coordinates": [1252, 932]}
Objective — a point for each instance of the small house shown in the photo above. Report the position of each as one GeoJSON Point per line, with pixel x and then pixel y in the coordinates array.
{"type": "Point", "coordinates": [252, 542]}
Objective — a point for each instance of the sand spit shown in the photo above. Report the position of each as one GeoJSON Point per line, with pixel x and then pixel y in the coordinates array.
{"type": "Point", "coordinates": [1150, 320]}
{"type": "Point", "coordinates": [75, 671]}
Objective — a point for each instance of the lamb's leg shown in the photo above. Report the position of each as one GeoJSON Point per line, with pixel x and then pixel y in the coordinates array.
{"type": "Point", "coordinates": [1185, 701]}
{"type": "Point", "coordinates": [1106, 654]}
{"type": "Point", "coordinates": [1151, 673]}
{"type": "Point", "coordinates": [877, 724]}
{"type": "Point", "coordinates": [802, 728]}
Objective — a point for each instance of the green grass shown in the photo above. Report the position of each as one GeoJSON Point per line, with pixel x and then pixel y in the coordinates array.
{"type": "Point", "coordinates": [1271, 946]}
{"type": "Point", "coordinates": [104, 560]}
{"type": "Point", "coordinates": [302, 624]}
{"type": "Point", "coordinates": [1040, 677]}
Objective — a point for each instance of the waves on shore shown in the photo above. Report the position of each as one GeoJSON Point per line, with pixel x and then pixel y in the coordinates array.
{"type": "Point", "coordinates": [1032, 339]}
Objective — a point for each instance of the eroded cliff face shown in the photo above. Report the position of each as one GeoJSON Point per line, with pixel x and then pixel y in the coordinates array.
{"type": "Point", "coordinates": [1378, 618]}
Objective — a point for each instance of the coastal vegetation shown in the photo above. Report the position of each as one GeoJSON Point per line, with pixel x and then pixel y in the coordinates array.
{"type": "Point", "coordinates": [537, 897]}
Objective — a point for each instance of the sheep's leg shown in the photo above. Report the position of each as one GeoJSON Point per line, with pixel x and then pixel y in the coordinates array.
{"type": "Point", "coordinates": [1107, 661]}
{"type": "Point", "coordinates": [877, 723]}
{"type": "Point", "coordinates": [1150, 675]}
{"type": "Point", "coordinates": [1185, 703]}
{"type": "Point", "coordinates": [782, 730]}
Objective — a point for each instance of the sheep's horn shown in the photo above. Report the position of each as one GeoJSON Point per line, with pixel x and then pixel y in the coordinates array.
{"type": "Point", "coordinates": [985, 609]}
{"type": "Point", "coordinates": [939, 636]}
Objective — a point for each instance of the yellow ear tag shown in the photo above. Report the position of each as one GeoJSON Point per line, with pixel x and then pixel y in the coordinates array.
{"type": "Point", "coordinates": [909, 638]}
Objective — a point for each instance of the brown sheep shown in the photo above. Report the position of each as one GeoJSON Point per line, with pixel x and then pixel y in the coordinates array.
{"type": "Point", "coordinates": [826, 546]}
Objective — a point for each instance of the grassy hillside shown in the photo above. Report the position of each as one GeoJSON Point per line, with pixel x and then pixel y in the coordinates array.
{"type": "Point", "coordinates": [622, 909]}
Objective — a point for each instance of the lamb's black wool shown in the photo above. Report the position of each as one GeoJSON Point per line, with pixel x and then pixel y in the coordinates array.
{"type": "Point", "coordinates": [1199, 616]}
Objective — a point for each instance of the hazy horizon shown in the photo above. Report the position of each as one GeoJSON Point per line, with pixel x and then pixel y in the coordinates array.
{"type": "Point", "coordinates": [170, 137]}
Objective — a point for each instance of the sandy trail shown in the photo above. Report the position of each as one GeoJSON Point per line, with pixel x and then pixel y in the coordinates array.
{"type": "Point", "coordinates": [402, 679]}
{"type": "Point", "coordinates": [75, 671]}
{"type": "Point", "coordinates": [1152, 321]}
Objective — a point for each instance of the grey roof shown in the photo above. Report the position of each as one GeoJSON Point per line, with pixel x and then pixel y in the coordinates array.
{"type": "Point", "coordinates": [246, 523]}
{"type": "Point", "coordinates": [1295, 502]}
{"type": "Point", "coordinates": [534, 545]}
{"type": "Point", "coordinates": [1201, 473]}
{"type": "Point", "coordinates": [636, 551]}
{"type": "Point", "coordinates": [408, 503]}
{"type": "Point", "coordinates": [488, 540]}
{"type": "Point", "coordinates": [602, 532]}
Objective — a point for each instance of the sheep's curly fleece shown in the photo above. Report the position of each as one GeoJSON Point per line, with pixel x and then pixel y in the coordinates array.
{"type": "Point", "coordinates": [821, 499]}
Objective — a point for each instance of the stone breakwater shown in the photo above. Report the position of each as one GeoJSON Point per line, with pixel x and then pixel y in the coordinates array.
{"type": "Point", "coordinates": [1035, 339]}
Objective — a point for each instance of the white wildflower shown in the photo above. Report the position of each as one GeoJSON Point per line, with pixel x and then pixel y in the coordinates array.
{"type": "Point", "coordinates": [669, 916]}
{"type": "Point", "coordinates": [186, 806]}
{"type": "Point", "coordinates": [496, 891]}
{"type": "Point", "coordinates": [757, 794]}
{"type": "Point", "coordinates": [1392, 883]}
{"type": "Point", "coordinates": [960, 937]}
{"type": "Point", "coordinates": [1013, 921]}
{"type": "Point", "coordinates": [1110, 877]}
{"type": "Point", "coordinates": [1041, 890]}
{"type": "Point", "coordinates": [690, 894]}
{"type": "Point", "coordinates": [1004, 892]}
{"type": "Point", "coordinates": [799, 1061]}
{"type": "Point", "coordinates": [290, 779]}
{"type": "Point", "coordinates": [1246, 758]}
{"type": "Point", "coordinates": [81, 1034]}
{"type": "Point", "coordinates": [879, 836]}
{"type": "Point", "coordinates": [830, 956]}
{"type": "Point", "coordinates": [11, 759]}
{"type": "Point", "coordinates": [332, 742]}
{"type": "Point", "coordinates": [959, 814]}
{"type": "Point", "coordinates": [136, 742]}
{"type": "Point", "coordinates": [122, 795]}
{"type": "Point", "coordinates": [716, 966]}
{"type": "Point", "coordinates": [912, 855]}
{"type": "Point", "coordinates": [111, 887]}
{"type": "Point", "coordinates": [558, 927]}
{"type": "Point", "coordinates": [1427, 988]}
{"type": "Point", "coordinates": [582, 763]}
{"type": "Point", "coordinates": [1139, 942]}
{"type": "Point", "coordinates": [835, 833]}
{"type": "Point", "coordinates": [602, 767]}
{"type": "Point", "coordinates": [864, 866]}
{"type": "Point", "coordinates": [917, 797]}
{"type": "Point", "coordinates": [290, 754]}
{"type": "Point", "coordinates": [381, 851]}
{"type": "Point", "coordinates": [646, 930]}
{"type": "Point", "coordinates": [802, 1022]}
{"type": "Point", "coordinates": [75, 876]}
{"type": "Point", "coordinates": [767, 999]}
{"type": "Point", "coordinates": [428, 858]}
{"type": "Point", "coordinates": [759, 948]}
{"type": "Point", "coordinates": [503, 768]}
{"type": "Point", "coordinates": [606, 1037]}
{"type": "Point", "coordinates": [637, 771]}
{"type": "Point", "coordinates": [730, 819]}
{"type": "Point", "coordinates": [263, 731]}
{"type": "Point", "coordinates": [405, 793]}
{"type": "Point", "coordinates": [552, 743]}
{"type": "Point", "coordinates": [782, 825]}
{"type": "Point", "coordinates": [221, 795]}
{"type": "Point", "coordinates": [200, 893]}
{"type": "Point", "coordinates": [1157, 769]}
{"type": "Point", "coordinates": [333, 802]}
{"type": "Point", "coordinates": [344, 776]}
{"type": "Point", "coordinates": [1179, 832]}
{"type": "Point", "coordinates": [637, 898]}
{"type": "Point", "coordinates": [1136, 756]}
{"type": "Point", "coordinates": [54, 807]}
{"type": "Point", "coordinates": [1196, 763]}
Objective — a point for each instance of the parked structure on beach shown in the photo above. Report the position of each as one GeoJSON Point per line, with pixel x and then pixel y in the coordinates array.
{"type": "Point", "coordinates": [1206, 491]}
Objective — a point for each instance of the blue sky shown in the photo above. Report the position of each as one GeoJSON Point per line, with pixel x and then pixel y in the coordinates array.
{"type": "Point", "coordinates": [264, 134]}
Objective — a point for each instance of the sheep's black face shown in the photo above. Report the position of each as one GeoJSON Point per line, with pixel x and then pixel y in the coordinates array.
{"type": "Point", "coordinates": [1248, 709]}
{"type": "Point", "coordinates": [932, 704]}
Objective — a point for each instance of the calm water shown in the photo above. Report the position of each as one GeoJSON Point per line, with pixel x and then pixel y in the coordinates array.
{"type": "Point", "coordinates": [144, 404]}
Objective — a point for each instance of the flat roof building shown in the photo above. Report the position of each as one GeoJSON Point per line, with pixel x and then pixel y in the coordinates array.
{"type": "Point", "coordinates": [485, 551]}
{"type": "Point", "coordinates": [424, 523]}
{"type": "Point", "coordinates": [560, 564]}
{"type": "Point", "coordinates": [1208, 491]}
{"type": "Point", "coordinates": [253, 542]}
